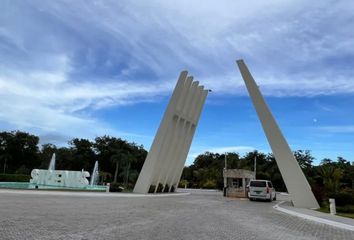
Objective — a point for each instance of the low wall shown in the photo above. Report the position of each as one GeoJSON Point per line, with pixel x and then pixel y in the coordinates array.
{"type": "Point", "coordinates": [236, 192]}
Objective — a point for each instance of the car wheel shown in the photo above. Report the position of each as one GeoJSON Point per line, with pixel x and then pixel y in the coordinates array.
{"type": "Point", "coordinates": [270, 198]}
{"type": "Point", "coordinates": [275, 197]}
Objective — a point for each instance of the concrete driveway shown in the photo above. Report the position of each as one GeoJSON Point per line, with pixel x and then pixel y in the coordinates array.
{"type": "Point", "coordinates": [200, 215]}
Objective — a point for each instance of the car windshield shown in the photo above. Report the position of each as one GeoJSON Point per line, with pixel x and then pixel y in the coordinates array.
{"type": "Point", "coordinates": [258, 184]}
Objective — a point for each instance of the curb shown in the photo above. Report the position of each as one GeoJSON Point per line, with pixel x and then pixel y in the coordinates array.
{"type": "Point", "coordinates": [90, 194]}
{"type": "Point", "coordinates": [313, 218]}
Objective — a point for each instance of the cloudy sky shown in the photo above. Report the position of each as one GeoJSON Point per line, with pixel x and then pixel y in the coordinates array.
{"type": "Point", "coordinates": [89, 68]}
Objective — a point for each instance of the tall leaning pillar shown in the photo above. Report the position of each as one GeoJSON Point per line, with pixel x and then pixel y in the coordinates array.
{"type": "Point", "coordinates": [165, 160]}
{"type": "Point", "coordinates": [294, 178]}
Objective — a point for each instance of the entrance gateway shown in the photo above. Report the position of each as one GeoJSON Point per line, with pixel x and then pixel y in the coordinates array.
{"type": "Point", "coordinates": [294, 179]}
{"type": "Point", "coordinates": [164, 163]}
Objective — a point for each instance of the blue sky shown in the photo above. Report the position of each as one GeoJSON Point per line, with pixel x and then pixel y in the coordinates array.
{"type": "Point", "coordinates": [89, 68]}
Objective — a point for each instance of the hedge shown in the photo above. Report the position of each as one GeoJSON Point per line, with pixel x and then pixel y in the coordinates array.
{"type": "Point", "coordinates": [346, 209]}
{"type": "Point", "coordinates": [14, 178]}
{"type": "Point", "coordinates": [343, 198]}
{"type": "Point", "coordinates": [116, 187]}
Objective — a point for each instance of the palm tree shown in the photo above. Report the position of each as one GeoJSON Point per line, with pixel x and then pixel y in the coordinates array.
{"type": "Point", "coordinates": [104, 176]}
{"type": "Point", "coordinates": [128, 159]}
{"type": "Point", "coordinates": [115, 158]}
{"type": "Point", "coordinates": [5, 157]}
{"type": "Point", "coordinates": [331, 177]}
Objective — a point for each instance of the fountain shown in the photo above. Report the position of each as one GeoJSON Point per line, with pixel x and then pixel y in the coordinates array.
{"type": "Point", "coordinates": [58, 179]}
{"type": "Point", "coordinates": [52, 163]}
{"type": "Point", "coordinates": [94, 175]}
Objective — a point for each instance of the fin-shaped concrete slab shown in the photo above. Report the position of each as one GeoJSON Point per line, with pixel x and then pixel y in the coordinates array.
{"type": "Point", "coordinates": [294, 178]}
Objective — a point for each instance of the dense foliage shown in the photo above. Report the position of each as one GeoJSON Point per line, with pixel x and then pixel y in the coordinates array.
{"type": "Point", "coordinates": [119, 160]}
{"type": "Point", "coordinates": [14, 178]}
{"type": "Point", "coordinates": [328, 179]}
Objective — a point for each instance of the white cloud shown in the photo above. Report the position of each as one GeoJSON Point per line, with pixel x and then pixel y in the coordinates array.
{"type": "Point", "coordinates": [49, 102]}
{"type": "Point", "coordinates": [338, 129]}
{"type": "Point", "coordinates": [65, 59]}
{"type": "Point", "coordinates": [240, 149]}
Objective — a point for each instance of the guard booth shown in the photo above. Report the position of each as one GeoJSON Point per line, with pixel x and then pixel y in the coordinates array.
{"type": "Point", "coordinates": [236, 181]}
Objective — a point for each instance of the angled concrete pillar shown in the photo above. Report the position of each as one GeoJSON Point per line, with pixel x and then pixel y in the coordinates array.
{"type": "Point", "coordinates": [294, 178]}
{"type": "Point", "coordinates": [190, 130]}
{"type": "Point", "coordinates": [165, 160]}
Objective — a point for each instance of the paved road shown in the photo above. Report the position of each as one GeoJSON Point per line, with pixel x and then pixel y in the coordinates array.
{"type": "Point", "coordinates": [201, 215]}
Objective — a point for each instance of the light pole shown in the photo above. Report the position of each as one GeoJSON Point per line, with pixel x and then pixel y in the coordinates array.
{"type": "Point", "coordinates": [255, 166]}
{"type": "Point", "coordinates": [225, 177]}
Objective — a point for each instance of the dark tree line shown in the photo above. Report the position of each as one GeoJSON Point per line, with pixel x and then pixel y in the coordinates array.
{"type": "Point", "coordinates": [119, 160]}
{"type": "Point", "coordinates": [330, 177]}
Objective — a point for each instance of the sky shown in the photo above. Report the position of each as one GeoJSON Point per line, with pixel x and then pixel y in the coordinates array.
{"type": "Point", "coordinates": [92, 68]}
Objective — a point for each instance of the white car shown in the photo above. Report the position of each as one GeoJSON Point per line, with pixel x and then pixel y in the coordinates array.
{"type": "Point", "coordinates": [261, 189]}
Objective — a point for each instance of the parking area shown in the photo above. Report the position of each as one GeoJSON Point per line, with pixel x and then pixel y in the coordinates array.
{"type": "Point", "coordinates": [200, 215]}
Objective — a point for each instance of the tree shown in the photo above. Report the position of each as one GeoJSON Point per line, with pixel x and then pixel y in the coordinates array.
{"type": "Point", "coordinates": [5, 158]}
{"type": "Point", "coordinates": [111, 151]}
{"type": "Point", "coordinates": [127, 159]}
{"type": "Point", "coordinates": [18, 150]}
{"type": "Point", "coordinates": [304, 158]}
{"type": "Point", "coordinates": [64, 158]}
{"type": "Point", "coordinates": [83, 154]}
{"type": "Point", "coordinates": [331, 176]}
{"type": "Point", "coordinates": [19, 153]}
{"type": "Point", "coordinates": [115, 158]}
{"type": "Point", "coordinates": [105, 176]}
{"type": "Point", "coordinates": [347, 173]}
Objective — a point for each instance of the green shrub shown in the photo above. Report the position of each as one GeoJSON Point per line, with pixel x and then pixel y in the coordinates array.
{"type": "Point", "coordinates": [130, 186]}
{"type": "Point", "coordinates": [320, 194]}
{"type": "Point", "coordinates": [209, 184]}
{"type": "Point", "coordinates": [183, 183]}
{"type": "Point", "coordinates": [23, 170]}
{"type": "Point", "coordinates": [346, 209]}
{"type": "Point", "coordinates": [343, 198]}
{"type": "Point", "coordinates": [14, 178]}
{"type": "Point", "coordinates": [116, 187]}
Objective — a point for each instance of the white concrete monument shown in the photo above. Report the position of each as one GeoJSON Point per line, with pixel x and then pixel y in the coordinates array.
{"type": "Point", "coordinates": [294, 178]}
{"type": "Point", "coordinates": [60, 178]}
{"type": "Point", "coordinates": [164, 163]}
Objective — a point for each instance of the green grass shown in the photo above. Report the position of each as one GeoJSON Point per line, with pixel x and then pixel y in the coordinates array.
{"type": "Point", "coordinates": [348, 215]}
{"type": "Point", "coordinates": [127, 190]}
{"type": "Point", "coordinates": [325, 209]}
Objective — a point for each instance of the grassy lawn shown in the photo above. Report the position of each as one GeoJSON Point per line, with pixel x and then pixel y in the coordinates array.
{"type": "Point", "coordinates": [348, 215]}
{"type": "Point", "coordinates": [326, 210]}
{"type": "Point", "coordinates": [323, 209]}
